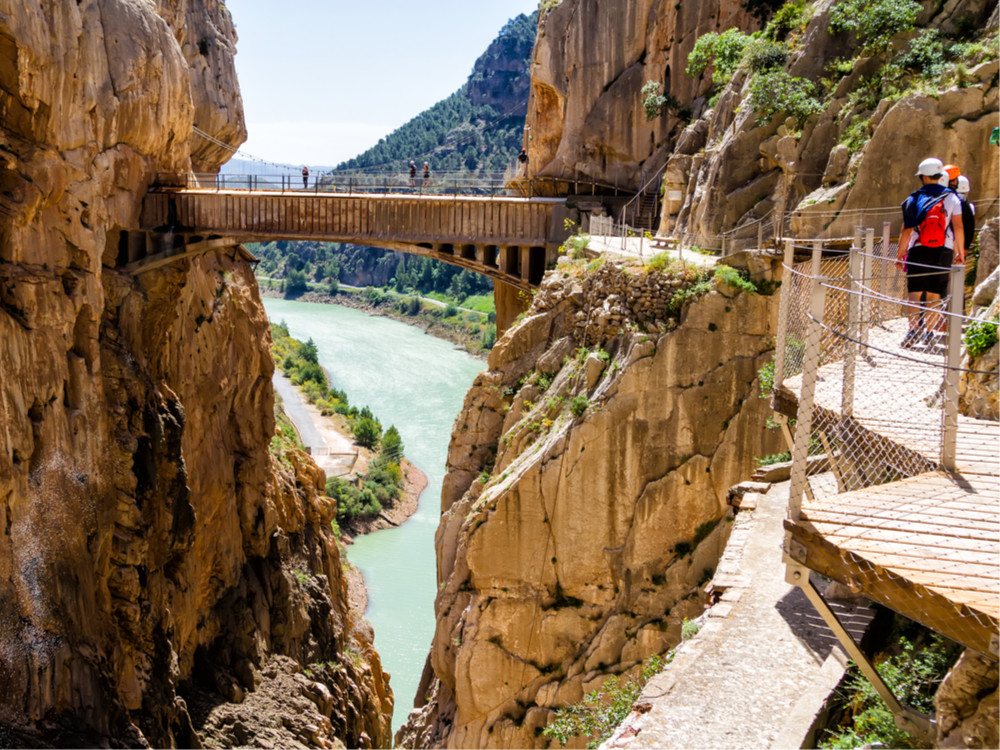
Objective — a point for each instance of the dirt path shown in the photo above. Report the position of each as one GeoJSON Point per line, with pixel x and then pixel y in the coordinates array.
{"type": "Point", "coordinates": [762, 664]}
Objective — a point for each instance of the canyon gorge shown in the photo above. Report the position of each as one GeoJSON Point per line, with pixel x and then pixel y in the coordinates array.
{"type": "Point", "coordinates": [167, 579]}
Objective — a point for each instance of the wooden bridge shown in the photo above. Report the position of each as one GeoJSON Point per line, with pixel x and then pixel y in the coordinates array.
{"type": "Point", "coordinates": [511, 239]}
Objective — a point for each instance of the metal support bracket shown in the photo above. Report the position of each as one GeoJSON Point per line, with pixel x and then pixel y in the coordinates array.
{"type": "Point", "coordinates": [921, 726]}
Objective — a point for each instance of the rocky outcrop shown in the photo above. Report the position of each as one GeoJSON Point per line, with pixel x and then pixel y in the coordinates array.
{"type": "Point", "coordinates": [585, 115]}
{"type": "Point", "coordinates": [967, 704]}
{"type": "Point", "coordinates": [979, 395]}
{"type": "Point", "coordinates": [585, 500]}
{"type": "Point", "coordinates": [722, 171]}
{"type": "Point", "coordinates": [155, 556]}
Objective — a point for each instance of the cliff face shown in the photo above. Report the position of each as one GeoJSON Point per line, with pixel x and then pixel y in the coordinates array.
{"type": "Point", "coordinates": [721, 169]}
{"type": "Point", "coordinates": [584, 503]}
{"type": "Point", "coordinates": [156, 560]}
{"type": "Point", "coordinates": [592, 59]}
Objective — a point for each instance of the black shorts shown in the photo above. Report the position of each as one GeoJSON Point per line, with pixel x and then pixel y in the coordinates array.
{"type": "Point", "coordinates": [920, 264]}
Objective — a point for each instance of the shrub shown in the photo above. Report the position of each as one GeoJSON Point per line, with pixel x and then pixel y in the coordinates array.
{"type": "Point", "coordinates": [776, 91]}
{"type": "Point", "coordinates": [980, 336]}
{"type": "Point", "coordinates": [735, 279]}
{"type": "Point", "coordinates": [764, 55]}
{"type": "Point", "coordinates": [600, 712]}
{"type": "Point", "coordinates": [875, 21]}
{"type": "Point", "coordinates": [689, 629]}
{"type": "Point", "coordinates": [578, 405]}
{"type": "Point", "coordinates": [913, 675]}
{"type": "Point", "coordinates": [925, 55]}
{"type": "Point", "coordinates": [724, 51]}
{"type": "Point", "coordinates": [791, 17]}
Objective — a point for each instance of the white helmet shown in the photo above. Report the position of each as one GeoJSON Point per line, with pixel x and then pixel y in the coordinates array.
{"type": "Point", "coordinates": [963, 185]}
{"type": "Point", "coordinates": [930, 167]}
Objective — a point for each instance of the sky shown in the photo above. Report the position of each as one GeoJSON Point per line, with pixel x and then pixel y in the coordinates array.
{"type": "Point", "coordinates": [323, 80]}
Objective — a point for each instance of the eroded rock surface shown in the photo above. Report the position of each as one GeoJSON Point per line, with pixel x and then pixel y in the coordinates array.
{"type": "Point", "coordinates": [585, 500]}
{"type": "Point", "coordinates": [151, 547]}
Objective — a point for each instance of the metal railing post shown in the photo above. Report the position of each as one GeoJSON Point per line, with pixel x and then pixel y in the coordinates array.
{"type": "Point", "coordinates": [867, 266]}
{"type": "Point", "coordinates": [781, 344]}
{"type": "Point", "coordinates": [810, 372]}
{"type": "Point", "coordinates": [853, 325]}
{"type": "Point", "coordinates": [760, 234]}
{"type": "Point", "coordinates": [956, 306]}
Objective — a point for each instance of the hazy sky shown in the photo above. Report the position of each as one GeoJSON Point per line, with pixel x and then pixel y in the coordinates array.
{"type": "Point", "coordinates": [323, 80]}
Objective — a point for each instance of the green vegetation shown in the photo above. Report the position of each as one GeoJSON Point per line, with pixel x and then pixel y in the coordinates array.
{"type": "Point", "coordinates": [913, 673]}
{"type": "Point", "coordinates": [655, 104]}
{"type": "Point", "coordinates": [876, 22]}
{"type": "Point", "coordinates": [723, 51]}
{"type": "Point", "coordinates": [980, 336]}
{"type": "Point", "coordinates": [773, 458]}
{"type": "Point", "coordinates": [689, 629]}
{"type": "Point", "coordinates": [578, 405]}
{"type": "Point", "coordinates": [601, 711]}
{"type": "Point", "coordinates": [774, 91]}
{"type": "Point", "coordinates": [365, 496]}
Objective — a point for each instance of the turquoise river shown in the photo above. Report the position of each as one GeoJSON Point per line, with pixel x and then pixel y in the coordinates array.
{"type": "Point", "coordinates": [418, 383]}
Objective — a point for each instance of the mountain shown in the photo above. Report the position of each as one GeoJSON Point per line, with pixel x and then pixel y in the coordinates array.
{"type": "Point", "coordinates": [479, 128]}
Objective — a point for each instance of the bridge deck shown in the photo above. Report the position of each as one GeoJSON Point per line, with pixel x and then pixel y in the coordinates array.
{"type": "Point", "coordinates": [509, 238]}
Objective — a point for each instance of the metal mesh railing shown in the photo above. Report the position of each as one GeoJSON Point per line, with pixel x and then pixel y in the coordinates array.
{"type": "Point", "coordinates": [874, 378]}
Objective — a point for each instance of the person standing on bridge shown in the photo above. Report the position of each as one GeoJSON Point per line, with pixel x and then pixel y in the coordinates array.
{"type": "Point", "coordinates": [522, 159]}
{"type": "Point", "coordinates": [305, 177]}
{"type": "Point", "coordinates": [427, 173]}
{"type": "Point", "coordinates": [413, 173]}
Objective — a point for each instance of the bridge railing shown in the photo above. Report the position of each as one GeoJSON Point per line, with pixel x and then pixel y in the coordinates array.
{"type": "Point", "coordinates": [437, 183]}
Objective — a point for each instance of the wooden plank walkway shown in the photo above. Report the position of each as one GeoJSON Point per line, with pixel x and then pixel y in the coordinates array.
{"type": "Point", "coordinates": [927, 546]}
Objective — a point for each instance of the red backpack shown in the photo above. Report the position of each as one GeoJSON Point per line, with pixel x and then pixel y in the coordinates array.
{"type": "Point", "coordinates": [934, 228]}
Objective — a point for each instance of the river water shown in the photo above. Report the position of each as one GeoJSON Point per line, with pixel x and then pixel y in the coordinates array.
{"type": "Point", "coordinates": [418, 383]}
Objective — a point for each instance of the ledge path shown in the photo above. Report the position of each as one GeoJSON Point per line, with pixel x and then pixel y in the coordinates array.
{"type": "Point", "coordinates": [763, 663]}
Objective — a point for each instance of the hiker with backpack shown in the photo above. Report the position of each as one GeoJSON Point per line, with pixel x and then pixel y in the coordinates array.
{"type": "Point", "coordinates": [933, 237]}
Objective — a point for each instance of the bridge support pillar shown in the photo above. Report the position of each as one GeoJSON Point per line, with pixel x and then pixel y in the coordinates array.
{"type": "Point", "coordinates": [510, 302]}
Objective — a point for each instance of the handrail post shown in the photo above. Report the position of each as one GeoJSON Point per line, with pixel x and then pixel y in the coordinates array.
{"type": "Point", "coordinates": [810, 371]}
{"type": "Point", "coordinates": [956, 307]}
{"type": "Point", "coordinates": [853, 292]}
{"type": "Point", "coordinates": [781, 344]}
{"type": "Point", "coordinates": [867, 267]}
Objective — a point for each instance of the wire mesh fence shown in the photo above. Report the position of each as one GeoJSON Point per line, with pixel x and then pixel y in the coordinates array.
{"type": "Point", "coordinates": [874, 378]}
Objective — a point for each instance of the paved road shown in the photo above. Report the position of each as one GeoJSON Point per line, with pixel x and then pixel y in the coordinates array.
{"type": "Point", "coordinates": [296, 411]}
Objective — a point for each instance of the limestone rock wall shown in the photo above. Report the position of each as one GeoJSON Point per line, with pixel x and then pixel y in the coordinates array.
{"type": "Point", "coordinates": [721, 171]}
{"type": "Point", "coordinates": [585, 115]}
{"type": "Point", "coordinates": [585, 500]}
{"type": "Point", "coordinates": [155, 558]}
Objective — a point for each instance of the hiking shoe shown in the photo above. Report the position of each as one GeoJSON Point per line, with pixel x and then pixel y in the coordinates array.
{"type": "Point", "coordinates": [911, 339]}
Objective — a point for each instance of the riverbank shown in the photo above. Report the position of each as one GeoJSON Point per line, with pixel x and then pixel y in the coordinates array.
{"type": "Point", "coordinates": [467, 342]}
{"type": "Point", "coordinates": [333, 449]}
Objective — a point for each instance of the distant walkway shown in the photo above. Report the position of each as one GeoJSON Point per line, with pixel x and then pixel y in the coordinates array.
{"type": "Point", "coordinates": [332, 452]}
{"type": "Point", "coordinates": [643, 249]}
{"type": "Point", "coordinates": [762, 664]}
